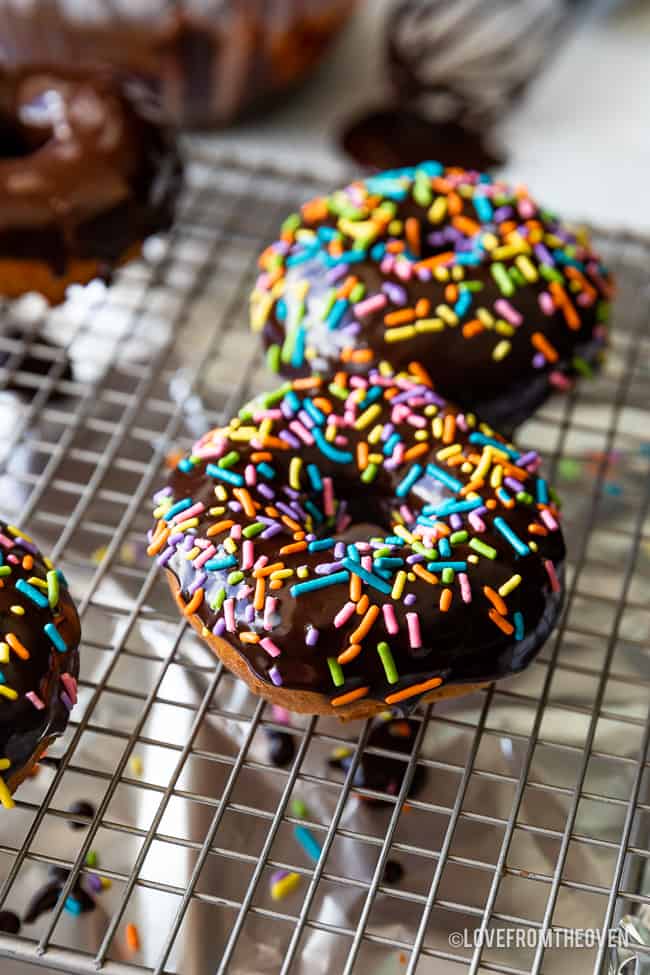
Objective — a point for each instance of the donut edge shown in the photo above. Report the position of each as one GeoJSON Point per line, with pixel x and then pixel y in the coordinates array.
{"type": "Point", "coordinates": [301, 702]}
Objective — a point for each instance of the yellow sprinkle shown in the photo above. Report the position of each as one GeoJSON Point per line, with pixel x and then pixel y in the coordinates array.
{"type": "Point", "coordinates": [473, 559]}
{"type": "Point", "coordinates": [375, 434]}
{"type": "Point", "coordinates": [184, 526]}
{"type": "Point", "coordinates": [230, 546]}
{"type": "Point", "coordinates": [458, 272]}
{"type": "Point", "coordinates": [244, 435]}
{"type": "Point", "coordinates": [8, 692]}
{"type": "Point", "coordinates": [533, 546]}
{"type": "Point", "coordinates": [421, 434]}
{"type": "Point", "coordinates": [5, 795]}
{"type": "Point", "coordinates": [4, 764]}
{"type": "Point", "coordinates": [162, 509]}
{"type": "Point", "coordinates": [399, 334]}
{"type": "Point", "coordinates": [437, 427]}
{"type": "Point", "coordinates": [136, 764]}
{"type": "Point", "coordinates": [48, 563]}
{"type": "Point", "coordinates": [266, 427]}
{"type": "Point", "coordinates": [4, 653]}
{"type": "Point", "coordinates": [221, 493]}
{"type": "Point", "coordinates": [17, 610]}
{"type": "Point", "coordinates": [376, 458]}
{"type": "Point", "coordinates": [438, 209]}
{"type": "Point", "coordinates": [330, 433]}
{"type": "Point", "coordinates": [398, 585]}
{"type": "Point", "coordinates": [18, 534]}
{"type": "Point", "coordinates": [503, 328]}
{"type": "Point", "coordinates": [367, 417]}
{"type": "Point", "coordinates": [501, 350]}
{"type": "Point", "coordinates": [282, 574]}
{"type": "Point", "coordinates": [219, 510]}
{"type": "Point", "coordinates": [385, 369]}
{"type": "Point", "coordinates": [527, 268]}
{"type": "Point", "coordinates": [404, 533]}
{"type": "Point", "coordinates": [410, 576]}
{"type": "Point", "coordinates": [39, 583]}
{"type": "Point", "coordinates": [447, 314]}
{"type": "Point", "coordinates": [193, 554]}
{"type": "Point", "coordinates": [449, 451]}
{"type": "Point", "coordinates": [510, 585]}
{"type": "Point", "coordinates": [261, 304]}
{"type": "Point", "coordinates": [484, 316]}
{"type": "Point", "coordinates": [278, 288]}
{"type": "Point", "coordinates": [429, 325]}
{"type": "Point", "coordinates": [441, 274]}
{"type": "Point", "coordinates": [294, 473]}
{"type": "Point", "coordinates": [430, 410]}
{"type": "Point", "coordinates": [285, 886]}
{"type": "Point", "coordinates": [496, 477]}
{"type": "Point", "coordinates": [489, 241]}
{"type": "Point", "coordinates": [302, 571]}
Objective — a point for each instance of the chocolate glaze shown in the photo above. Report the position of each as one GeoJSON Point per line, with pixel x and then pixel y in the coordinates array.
{"type": "Point", "coordinates": [27, 724]}
{"type": "Point", "coordinates": [84, 172]}
{"type": "Point", "coordinates": [459, 645]}
{"type": "Point", "coordinates": [465, 368]}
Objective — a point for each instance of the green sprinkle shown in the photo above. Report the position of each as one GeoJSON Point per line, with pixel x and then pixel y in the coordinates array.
{"type": "Point", "coordinates": [482, 548]}
{"type": "Point", "coordinates": [52, 588]}
{"type": "Point", "coordinates": [270, 399]}
{"type": "Point", "coordinates": [448, 575]}
{"type": "Point", "coordinates": [380, 552]}
{"type": "Point", "coordinates": [456, 538]}
{"type": "Point", "coordinates": [357, 292]}
{"type": "Point", "coordinates": [338, 391]}
{"type": "Point", "coordinates": [91, 858]}
{"type": "Point", "coordinates": [386, 658]}
{"type": "Point", "coordinates": [218, 600]}
{"type": "Point", "coordinates": [291, 223]}
{"type": "Point", "coordinates": [235, 577]}
{"type": "Point", "coordinates": [329, 304]}
{"type": "Point", "coordinates": [524, 497]}
{"type": "Point", "coordinates": [336, 671]}
{"type": "Point", "coordinates": [250, 531]}
{"type": "Point", "coordinates": [517, 276]}
{"type": "Point", "coordinates": [582, 366]}
{"type": "Point", "coordinates": [503, 281]}
{"type": "Point", "coordinates": [231, 458]}
{"type": "Point", "coordinates": [429, 553]}
{"type": "Point", "coordinates": [273, 358]}
{"type": "Point", "coordinates": [369, 474]}
{"type": "Point", "coordinates": [299, 809]}
{"type": "Point", "coordinates": [550, 273]}
{"type": "Point", "coordinates": [5, 570]}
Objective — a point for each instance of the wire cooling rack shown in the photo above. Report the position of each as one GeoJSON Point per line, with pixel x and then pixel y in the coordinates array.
{"type": "Point", "coordinates": [534, 812]}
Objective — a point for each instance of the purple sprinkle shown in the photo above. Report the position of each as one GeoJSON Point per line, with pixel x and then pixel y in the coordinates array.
{"type": "Point", "coordinates": [290, 439]}
{"type": "Point", "coordinates": [94, 882]}
{"type": "Point", "coordinates": [525, 459]}
{"type": "Point", "coordinates": [539, 360]}
{"type": "Point", "coordinates": [234, 505]}
{"type": "Point", "coordinates": [436, 238]}
{"type": "Point", "coordinates": [395, 292]}
{"type": "Point", "coordinates": [188, 543]}
{"type": "Point", "coordinates": [286, 409]}
{"type": "Point", "coordinates": [249, 612]}
{"type": "Point", "coordinates": [275, 676]}
{"type": "Point", "coordinates": [198, 582]}
{"type": "Point", "coordinates": [285, 509]}
{"type": "Point", "coordinates": [456, 521]}
{"type": "Point", "coordinates": [311, 638]}
{"type": "Point", "coordinates": [339, 550]}
{"type": "Point", "coordinates": [336, 273]}
{"type": "Point", "coordinates": [176, 538]}
{"type": "Point", "coordinates": [409, 599]}
{"type": "Point", "coordinates": [412, 559]}
{"type": "Point", "coordinates": [544, 254]}
{"type": "Point", "coordinates": [165, 556]}
{"type": "Point", "coordinates": [163, 493]}
{"type": "Point", "coordinates": [66, 700]}
{"type": "Point", "coordinates": [502, 213]}
{"type": "Point", "coordinates": [219, 627]}
{"type": "Point", "coordinates": [326, 568]}
{"type": "Point", "coordinates": [514, 484]}
{"type": "Point", "coordinates": [423, 274]}
{"type": "Point", "coordinates": [271, 531]}
{"type": "Point", "coordinates": [266, 491]}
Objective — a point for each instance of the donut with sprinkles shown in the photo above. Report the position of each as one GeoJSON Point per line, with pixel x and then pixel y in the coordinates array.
{"type": "Point", "coordinates": [358, 544]}
{"type": "Point", "coordinates": [495, 296]}
{"type": "Point", "coordinates": [39, 659]}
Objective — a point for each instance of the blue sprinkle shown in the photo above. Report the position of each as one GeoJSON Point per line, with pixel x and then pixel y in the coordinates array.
{"type": "Point", "coordinates": [317, 415]}
{"type": "Point", "coordinates": [298, 354]}
{"type": "Point", "coordinates": [321, 544]}
{"type": "Point", "coordinates": [456, 566]}
{"type": "Point", "coordinates": [519, 625]}
{"type": "Point", "coordinates": [266, 470]}
{"type": "Point", "coordinates": [504, 529]}
{"type": "Point", "coordinates": [451, 507]}
{"type": "Point", "coordinates": [407, 483]}
{"type": "Point", "coordinates": [463, 303]}
{"type": "Point", "coordinates": [444, 548]}
{"type": "Point", "coordinates": [377, 252]}
{"type": "Point", "coordinates": [468, 257]}
{"type": "Point", "coordinates": [292, 401]}
{"type": "Point", "coordinates": [327, 233]}
{"type": "Point", "coordinates": [302, 256]}
{"type": "Point", "coordinates": [222, 474]}
{"type": "Point", "coordinates": [368, 577]}
{"type": "Point", "coordinates": [314, 477]}
{"type": "Point", "coordinates": [55, 637]}
{"type": "Point", "coordinates": [281, 310]}
{"type": "Point", "coordinates": [388, 562]}
{"type": "Point", "coordinates": [3, 679]}
{"type": "Point", "coordinates": [437, 472]}
{"type": "Point", "coordinates": [313, 510]}
{"type": "Point", "coordinates": [320, 582]}
{"type": "Point", "coordinates": [213, 565]}
{"type": "Point", "coordinates": [390, 444]}
{"type": "Point", "coordinates": [72, 906]}
{"type": "Point", "coordinates": [480, 438]}
{"type": "Point", "coordinates": [542, 491]}
{"type": "Point", "coordinates": [353, 553]}
{"type": "Point", "coordinates": [335, 316]}
{"type": "Point", "coordinates": [177, 508]}
{"type": "Point", "coordinates": [483, 207]}
{"type": "Point", "coordinates": [31, 592]}
{"type": "Point", "coordinates": [185, 465]}
{"type": "Point", "coordinates": [308, 842]}
{"type": "Point", "coordinates": [375, 393]}
{"type": "Point", "coordinates": [431, 167]}
{"type": "Point", "coordinates": [338, 456]}
{"type": "Point", "coordinates": [394, 540]}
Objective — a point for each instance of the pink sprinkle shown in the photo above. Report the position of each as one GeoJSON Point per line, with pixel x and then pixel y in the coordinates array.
{"type": "Point", "coordinates": [344, 614]}
{"type": "Point", "coordinates": [476, 522]}
{"type": "Point", "coordinates": [248, 554]}
{"type": "Point", "coordinates": [204, 556]}
{"type": "Point", "coordinates": [550, 569]}
{"type": "Point", "coordinates": [196, 509]}
{"type": "Point", "coordinates": [343, 523]}
{"type": "Point", "coordinates": [506, 310]}
{"type": "Point", "coordinates": [549, 520]}
{"type": "Point", "coordinates": [366, 562]}
{"type": "Point", "coordinates": [399, 413]}
{"type": "Point", "coordinates": [6, 542]}
{"type": "Point", "coordinates": [281, 715]}
{"type": "Point", "coordinates": [235, 532]}
{"type": "Point", "coordinates": [250, 475]}
{"type": "Point", "coordinates": [70, 685]}
{"type": "Point", "coordinates": [390, 619]}
{"type": "Point", "coordinates": [374, 303]}
{"type": "Point", "coordinates": [526, 208]}
{"type": "Point", "coordinates": [559, 380]}
{"type": "Point", "coordinates": [328, 496]}
{"type": "Point", "coordinates": [13, 559]}
{"type": "Point", "coordinates": [387, 263]}
{"type": "Point", "coordinates": [398, 454]}
{"type": "Point", "coordinates": [261, 562]}
{"type": "Point", "coordinates": [35, 700]}
{"type": "Point", "coordinates": [269, 609]}
{"type": "Point", "coordinates": [271, 648]}
{"type": "Point", "coordinates": [546, 303]}
{"type": "Point", "coordinates": [301, 432]}
{"type": "Point", "coordinates": [260, 415]}
{"type": "Point", "coordinates": [465, 588]}
{"type": "Point", "coordinates": [407, 514]}
{"type": "Point", "coordinates": [229, 613]}
{"type": "Point", "coordinates": [403, 270]}
{"type": "Point", "coordinates": [413, 623]}
{"type": "Point", "coordinates": [341, 441]}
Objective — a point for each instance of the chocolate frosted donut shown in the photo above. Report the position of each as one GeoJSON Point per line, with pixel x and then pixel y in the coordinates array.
{"type": "Point", "coordinates": [495, 297]}
{"type": "Point", "coordinates": [39, 659]}
{"type": "Point", "coordinates": [362, 544]}
{"type": "Point", "coordinates": [85, 176]}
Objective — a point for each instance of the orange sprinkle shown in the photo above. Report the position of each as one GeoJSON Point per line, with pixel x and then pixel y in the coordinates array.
{"type": "Point", "coordinates": [400, 317]}
{"type": "Point", "coordinates": [132, 937]}
{"type": "Point", "coordinates": [363, 604]}
{"type": "Point", "coordinates": [454, 204]}
{"type": "Point", "coordinates": [436, 261]}
{"type": "Point", "coordinates": [159, 539]}
{"type": "Point", "coordinates": [543, 345]}
{"type": "Point", "coordinates": [275, 442]}
{"type": "Point", "coordinates": [249, 637]}
{"type": "Point", "coordinates": [277, 584]}
{"type": "Point", "coordinates": [194, 603]}
{"type": "Point", "coordinates": [315, 210]}
{"type": "Point", "coordinates": [17, 647]}
{"type": "Point", "coordinates": [395, 246]}
{"type": "Point", "coordinates": [352, 651]}
{"type": "Point", "coordinates": [355, 355]}
{"type": "Point", "coordinates": [365, 625]}
{"type": "Point", "coordinates": [294, 547]}
{"type": "Point", "coordinates": [416, 451]}
{"type": "Point", "coordinates": [260, 593]}
{"type": "Point", "coordinates": [535, 529]}
{"type": "Point", "coordinates": [491, 504]}
{"type": "Point", "coordinates": [271, 511]}
{"type": "Point", "coordinates": [290, 523]}
{"type": "Point", "coordinates": [496, 600]}
{"type": "Point", "coordinates": [341, 379]}
{"type": "Point", "coordinates": [245, 500]}
{"type": "Point", "coordinates": [427, 685]}
{"type": "Point", "coordinates": [354, 695]}
{"type": "Point", "coordinates": [451, 293]}
{"type": "Point", "coordinates": [425, 574]}
{"type": "Point", "coordinates": [355, 588]}
{"type": "Point", "coordinates": [441, 185]}
{"type": "Point", "coordinates": [412, 229]}
{"type": "Point", "coordinates": [418, 370]}
{"type": "Point", "coordinates": [261, 455]}
{"type": "Point", "coordinates": [504, 625]}
{"type": "Point", "coordinates": [28, 562]}
{"type": "Point", "coordinates": [347, 286]}
{"type": "Point", "coordinates": [422, 307]}
{"type": "Point", "coordinates": [472, 486]}
{"type": "Point", "coordinates": [466, 225]}
{"type": "Point", "coordinates": [362, 455]}
{"type": "Point", "coordinates": [307, 382]}
{"type": "Point", "coordinates": [266, 570]}
{"type": "Point", "coordinates": [449, 429]}
{"type": "Point", "coordinates": [219, 526]}
{"type": "Point", "coordinates": [565, 303]}
{"type": "Point", "coordinates": [323, 404]}
{"type": "Point", "coordinates": [472, 328]}
{"type": "Point", "coordinates": [576, 275]}
{"type": "Point", "coordinates": [445, 600]}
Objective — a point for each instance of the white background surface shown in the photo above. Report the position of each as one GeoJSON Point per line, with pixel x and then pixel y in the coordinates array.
{"type": "Point", "coordinates": [581, 139]}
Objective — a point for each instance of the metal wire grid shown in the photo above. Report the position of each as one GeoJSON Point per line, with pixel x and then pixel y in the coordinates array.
{"type": "Point", "coordinates": [155, 359]}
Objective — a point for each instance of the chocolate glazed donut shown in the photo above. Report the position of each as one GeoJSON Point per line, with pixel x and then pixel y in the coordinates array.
{"type": "Point", "coordinates": [362, 544]}
{"type": "Point", "coordinates": [85, 177]}
{"type": "Point", "coordinates": [497, 299]}
{"type": "Point", "coordinates": [39, 659]}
